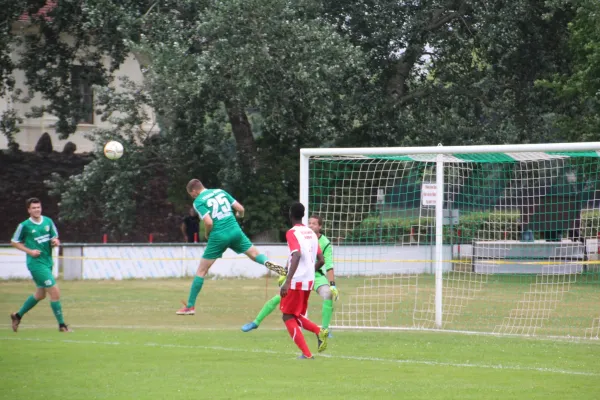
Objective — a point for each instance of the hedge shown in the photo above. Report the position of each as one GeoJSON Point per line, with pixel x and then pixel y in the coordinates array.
{"type": "Point", "coordinates": [472, 226]}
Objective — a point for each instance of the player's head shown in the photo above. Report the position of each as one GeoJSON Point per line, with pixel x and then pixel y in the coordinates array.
{"type": "Point", "coordinates": [34, 207]}
{"type": "Point", "coordinates": [315, 222]}
{"type": "Point", "coordinates": [194, 187]}
{"type": "Point", "coordinates": [296, 212]}
{"type": "Point", "coordinates": [192, 212]}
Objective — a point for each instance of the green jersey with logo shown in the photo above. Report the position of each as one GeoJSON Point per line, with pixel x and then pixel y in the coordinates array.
{"type": "Point", "coordinates": [37, 236]}
{"type": "Point", "coordinates": [217, 203]}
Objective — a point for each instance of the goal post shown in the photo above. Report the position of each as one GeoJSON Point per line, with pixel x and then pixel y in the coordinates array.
{"type": "Point", "coordinates": [439, 256]}
{"type": "Point", "coordinates": [500, 239]}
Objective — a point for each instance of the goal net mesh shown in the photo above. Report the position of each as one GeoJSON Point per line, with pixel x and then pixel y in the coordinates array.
{"type": "Point", "coordinates": [520, 240]}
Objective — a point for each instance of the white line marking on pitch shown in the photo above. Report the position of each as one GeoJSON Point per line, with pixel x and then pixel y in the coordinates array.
{"type": "Point", "coordinates": [191, 328]}
{"type": "Point", "coordinates": [139, 327]}
{"type": "Point", "coordinates": [354, 358]}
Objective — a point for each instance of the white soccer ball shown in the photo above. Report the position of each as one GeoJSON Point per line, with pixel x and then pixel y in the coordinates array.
{"type": "Point", "coordinates": [113, 150]}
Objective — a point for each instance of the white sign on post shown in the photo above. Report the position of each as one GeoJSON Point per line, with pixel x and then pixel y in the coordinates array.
{"type": "Point", "coordinates": [380, 196]}
{"type": "Point", "coordinates": [428, 194]}
{"type": "Point", "coordinates": [451, 217]}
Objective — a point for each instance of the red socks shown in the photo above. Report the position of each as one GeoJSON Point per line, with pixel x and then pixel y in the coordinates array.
{"type": "Point", "coordinates": [308, 325]}
{"type": "Point", "coordinates": [297, 336]}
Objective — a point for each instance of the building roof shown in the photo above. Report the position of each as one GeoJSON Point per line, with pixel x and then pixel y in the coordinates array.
{"type": "Point", "coordinates": [42, 12]}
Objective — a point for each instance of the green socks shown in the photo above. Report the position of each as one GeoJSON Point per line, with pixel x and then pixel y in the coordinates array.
{"type": "Point", "coordinates": [195, 290]}
{"type": "Point", "coordinates": [261, 259]}
{"type": "Point", "coordinates": [326, 313]}
{"type": "Point", "coordinates": [57, 310]}
{"type": "Point", "coordinates": [31, 302]}
{"type": "Point", "coordinates": [267, 309]}
{"type": "Point", "coordinates": [28, 305]}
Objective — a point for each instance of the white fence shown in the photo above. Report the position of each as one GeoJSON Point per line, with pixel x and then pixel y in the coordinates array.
{"type": "Point", "coordinates": [12, 264]}
{"type": "Point", "coordinates": [108, 261]}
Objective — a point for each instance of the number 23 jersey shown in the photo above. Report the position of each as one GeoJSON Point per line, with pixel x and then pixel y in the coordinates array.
{"type": "Point", "coordinates": [218, 204]}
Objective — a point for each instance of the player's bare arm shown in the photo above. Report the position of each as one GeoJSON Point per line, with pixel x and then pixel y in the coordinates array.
{"type": "Point", "coordinates": [239, 209]}
{"type": "Point", "coordinates": [295, 260]}
{"type": "Point", "coordinates": [330, 275]}
{"type": "Point", "coordinates": [319, 262]}
{"type": "Point", "coordinates": [55, 242]}
{"type": "Point", "coordinates": [21, 246]}
{"type": "Point", "coordinates": [208, 225]}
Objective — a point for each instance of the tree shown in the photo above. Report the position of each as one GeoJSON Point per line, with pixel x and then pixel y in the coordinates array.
{"type": "Point", "coordinates": [454, 71]}
{"type": "Point", "coordinates": [270, 60]}
{"type": "Point", "coordinates": [240, 86]}
{"type": "Point", "coordinates": [577, 90]}
{"type": "Point", "coordinates": [109, 194]}
{"type": "Point", "coordinates": [68, 33]}
{"type": "Point", "coordinates": [10, 119]}
{"type": "Point", "coordinates": [214, 73]}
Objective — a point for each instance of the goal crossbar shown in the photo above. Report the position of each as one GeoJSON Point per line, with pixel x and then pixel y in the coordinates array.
{"type": "Point", "coordinates": [504, 148]}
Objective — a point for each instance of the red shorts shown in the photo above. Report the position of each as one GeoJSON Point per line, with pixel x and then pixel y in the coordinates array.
{"type": "Point", "coordinates": [295, 302]}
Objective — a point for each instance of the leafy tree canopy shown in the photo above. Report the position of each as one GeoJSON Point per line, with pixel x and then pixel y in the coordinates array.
{"type": "Point", "coordinates": [238, 87]}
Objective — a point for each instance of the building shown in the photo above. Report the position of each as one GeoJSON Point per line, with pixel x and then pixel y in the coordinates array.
{"type": "Point", "coordinates": [33, 128]}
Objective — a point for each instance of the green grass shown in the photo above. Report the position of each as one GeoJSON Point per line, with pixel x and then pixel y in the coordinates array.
{"type": "Point", "coordinates": [129, 344]}
{"type": "Point", "coordinates": [559, 305]}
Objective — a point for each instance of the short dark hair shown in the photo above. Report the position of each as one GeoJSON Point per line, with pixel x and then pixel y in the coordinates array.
{"type": "Point", "coordinates": [318, 218]}
{"type": "Point", "coordinates": [297, 210]}
{"type": "Point", "coordinates": [194, 184]}
{"type": "Point", "coordinates": [32, 200]}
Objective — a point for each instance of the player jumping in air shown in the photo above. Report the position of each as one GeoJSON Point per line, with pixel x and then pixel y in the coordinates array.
{"type": "Point", "coordinates": [305, 258]}
{"type": "Point", "coordinates": [324, 282]}
{"type": "Point", "coordinates": [36, 236]}
{"type": "Point", "coordinates": [215, 207]}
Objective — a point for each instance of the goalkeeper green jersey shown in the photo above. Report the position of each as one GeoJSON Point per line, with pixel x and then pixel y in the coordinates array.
{"type": "Point", "coordinates": [37, 236]}
{"type": "Point", "coordinates": [217, 203]}
{"type": "Point", "coordinates": [327, 250]}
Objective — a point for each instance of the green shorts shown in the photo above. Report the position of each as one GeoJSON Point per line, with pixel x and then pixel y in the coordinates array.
{"type": "Point", "coordinates": [43, 278]}
{"type": "Point", "coordinates": [218, 242]}
{"type": "Point", "coordinates": [320, 280]}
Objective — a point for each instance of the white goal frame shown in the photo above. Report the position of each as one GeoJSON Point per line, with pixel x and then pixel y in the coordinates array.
{"type": "Point", "coordinates": [439, 151]}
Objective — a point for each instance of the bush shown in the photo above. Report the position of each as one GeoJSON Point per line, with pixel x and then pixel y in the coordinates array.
{"type": "Point", "coordinates": [493, 225]}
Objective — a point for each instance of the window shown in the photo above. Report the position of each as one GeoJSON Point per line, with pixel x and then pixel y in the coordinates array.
{"type": "Point", "coordinates": [81, 84]}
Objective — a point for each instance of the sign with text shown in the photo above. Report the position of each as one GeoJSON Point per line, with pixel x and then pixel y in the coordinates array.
{"type": "Point", "coordinates": [428, 193]}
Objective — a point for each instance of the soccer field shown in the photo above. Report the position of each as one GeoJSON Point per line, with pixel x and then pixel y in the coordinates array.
{"type": "Point", "coordinates": [129, 344]}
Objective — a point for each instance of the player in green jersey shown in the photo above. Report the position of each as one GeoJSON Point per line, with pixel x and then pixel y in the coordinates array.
{"type": "Point", "coordinates": [36, 236]}
{"type": "Point", "coordinates": [215, 207]}
{"type": "Point", "coordinates": [324, 282]}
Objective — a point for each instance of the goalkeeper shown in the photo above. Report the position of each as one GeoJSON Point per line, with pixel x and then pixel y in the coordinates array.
{"type": "Point", "coordinates": [324, 282]}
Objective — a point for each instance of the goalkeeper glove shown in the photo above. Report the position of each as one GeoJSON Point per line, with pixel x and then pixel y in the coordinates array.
{"type": "Point", "coordinates": [281, 280]}
{"type": "Point", "coordinates": [334, 291]}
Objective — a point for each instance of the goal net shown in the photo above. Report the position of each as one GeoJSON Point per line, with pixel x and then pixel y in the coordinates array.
{"type": "Point", "coordinates": [485, 239]}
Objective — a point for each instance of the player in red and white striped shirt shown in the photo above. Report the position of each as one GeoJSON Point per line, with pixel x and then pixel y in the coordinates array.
{"type": "Point", "coordinates": [305, 258]}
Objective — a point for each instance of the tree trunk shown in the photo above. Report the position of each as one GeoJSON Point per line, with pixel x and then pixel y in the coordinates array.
{"type": "Point", "coordinates": [397, 84]}
{"type": "Point", "coordinates": [244, 139]}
